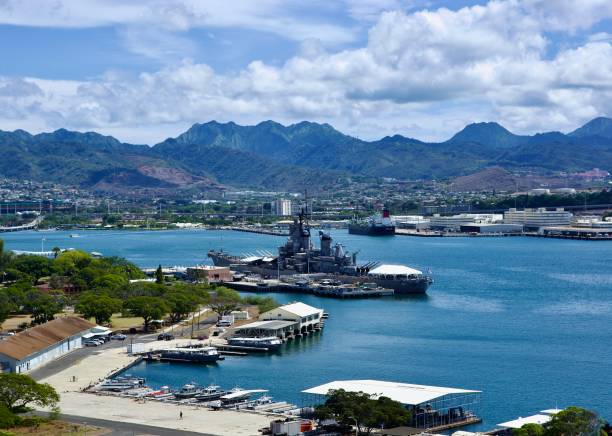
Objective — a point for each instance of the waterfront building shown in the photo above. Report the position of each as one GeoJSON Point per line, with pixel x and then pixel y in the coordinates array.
{"type": "Point", "coordinates": [284, 321]}
{"type": "Point", "coordinates": [453, 407]}
{"type": "Point", "coordinates": [492, 228]}
{"type": "Point", "coordinates": [540, 418]}
{"type": "Point", "coordinates": [534, 219]}
{"type": "Point", "coordinates": [569, 232]}
{"type": "Point", "coordinates": [209, 274]}
{"type": "Point", "coordinates": [304, 315]}
{"type": "Point", "coordinates": [282, 207]}
{"type": "Point", "coordinates": [592, 221]}
{"type": "Point", "coordinates": [413, 222]}
{"type": "Point", "coordinates": [454, 222]}
{"type": "Point", "coordinates": [44, 343]}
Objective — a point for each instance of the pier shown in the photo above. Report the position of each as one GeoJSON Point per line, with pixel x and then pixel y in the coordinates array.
{"type": "Point", "coordinates": [344, 290]}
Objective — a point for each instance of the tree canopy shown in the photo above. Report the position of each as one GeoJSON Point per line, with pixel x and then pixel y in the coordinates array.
{"type": "Point", "coordinates": [148, 308]}
{"type": "Point", "coordinates": [573, 421]}
{"type": "Point", "coordinates": [19, 391]}
{"type": "Point", "coordinates": [99, 307]}
{"type": "Point", "coordinates": [363, 410]}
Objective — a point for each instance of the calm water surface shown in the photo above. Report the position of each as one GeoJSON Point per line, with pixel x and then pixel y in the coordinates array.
{"type": "Point", "coordinates": [528, 321]}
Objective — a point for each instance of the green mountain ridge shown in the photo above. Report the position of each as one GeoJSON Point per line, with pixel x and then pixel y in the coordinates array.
{"type": "Point", "coordinates": [269, 155]}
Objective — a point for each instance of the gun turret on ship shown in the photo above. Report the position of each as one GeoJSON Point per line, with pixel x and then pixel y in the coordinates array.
{"type": "Point", "coordinates": [299, 256]}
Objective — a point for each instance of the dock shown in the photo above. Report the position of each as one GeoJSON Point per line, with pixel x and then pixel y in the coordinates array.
{"type": "Point", "coordinates": [341, 291]}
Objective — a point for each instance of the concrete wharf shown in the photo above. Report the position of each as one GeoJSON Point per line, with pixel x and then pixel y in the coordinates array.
{"type": "Point", "coordinates": [334, 291]}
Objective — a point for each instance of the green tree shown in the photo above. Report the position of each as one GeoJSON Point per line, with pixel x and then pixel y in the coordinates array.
{"type": "Point", "coordinates": [181, 304]}
{"type": "Point", "coordinates": [42, 306]}
{"type": "Point", "coordinates": [111, 283]}
{"type": "Point", "coordinates": [35, 266]}
{"type": "Point", "coordinates": [19, 391]}
{"type": "Point", "coordinates": [159, 275]}
{"type": "Point", "coordinates": [6, 306]}
{"type": "Point", "coordinates": [225, 301]}
{"type": "Point", "coordinates": [148, 308]}
{"type": "Point", "coordinates": [99, 307]}
{"type": "Point", "coordinates": [529, 430]}
{"type": "Point", "coordinates": [363, 411]}
{"type": "Point", "coordinates": [264, 304]}
{"type": "Point", "coordinates": [56, 251]}
{"type": "Point", "coordinates": [574, 421]}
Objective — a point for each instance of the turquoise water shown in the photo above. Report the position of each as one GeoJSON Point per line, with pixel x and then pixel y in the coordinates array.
{"type": "Point", "coordinates": [526, 320]}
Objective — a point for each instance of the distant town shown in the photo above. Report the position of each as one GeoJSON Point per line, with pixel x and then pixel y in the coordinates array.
{"type": "Point", "coordinates": [419, 208]}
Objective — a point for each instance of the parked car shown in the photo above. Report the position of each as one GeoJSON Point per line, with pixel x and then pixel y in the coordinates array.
{"type": "Point", "coordinates": [218, 331]}
{"type": "Point", "coordinates": [90, 343]}
{"type": "Point", "coordinates": [165, 337]}
{"type": "Point", "coordinates": [119, 337]}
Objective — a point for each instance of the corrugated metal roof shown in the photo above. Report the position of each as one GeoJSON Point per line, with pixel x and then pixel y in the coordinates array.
{"type": "Point", "coordinates": [38, 338]}
{"type": "Point", "coordinates": [299, 309]}
{"type": "Point", "coordinates": [266, 325]}
{"type": "Point", "coordinates": [404, 393]}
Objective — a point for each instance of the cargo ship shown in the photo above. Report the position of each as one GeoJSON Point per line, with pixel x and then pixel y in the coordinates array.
{"type": "Point", "coordinates": [379, 224]}
{"type": "Point", "coordinates": [299, 256]}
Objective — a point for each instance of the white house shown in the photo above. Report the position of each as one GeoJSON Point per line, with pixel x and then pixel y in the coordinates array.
{"type": "Point", "coordinates": [42, 344]}
{"type": "Point", "coordinates": [305, 316]}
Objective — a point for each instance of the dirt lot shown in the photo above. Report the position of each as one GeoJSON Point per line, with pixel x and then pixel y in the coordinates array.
{"type": "Point", "coordinates": [58, 428]}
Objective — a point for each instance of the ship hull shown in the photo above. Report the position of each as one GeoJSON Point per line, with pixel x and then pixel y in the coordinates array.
{"type": "Point", "coordinates": [355, 229]}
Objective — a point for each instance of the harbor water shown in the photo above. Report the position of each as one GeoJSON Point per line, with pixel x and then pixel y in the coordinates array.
{"type": "Point", "coordinates": [526, 320]}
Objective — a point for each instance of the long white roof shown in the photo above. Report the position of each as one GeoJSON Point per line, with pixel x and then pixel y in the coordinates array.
{"type": "Point", "coordinates": [403, 392]}
{"type": "Point", "coordinates": [300, 309]}
{"type": "Point", "coordinates": [395, 270]}
{"type": "Point", "coordinates": [519, 422]}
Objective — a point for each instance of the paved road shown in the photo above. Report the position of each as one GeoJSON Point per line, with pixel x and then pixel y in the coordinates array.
{"type": "Point", "coordinates": [127, 429]}
{"type": "Point", "coordinates": [70, 359]}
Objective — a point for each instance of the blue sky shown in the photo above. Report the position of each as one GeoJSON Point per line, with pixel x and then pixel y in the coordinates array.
{"type": "Point", "coordinates": [145, 70]}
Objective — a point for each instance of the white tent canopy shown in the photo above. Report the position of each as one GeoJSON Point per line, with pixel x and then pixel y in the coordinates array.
{"type": "Point", "coordinates": [394, 270]}
{"type": "Point", "coordinates": [405, 393]}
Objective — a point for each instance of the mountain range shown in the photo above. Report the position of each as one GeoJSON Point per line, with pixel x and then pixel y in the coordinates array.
{"type": "Point", "coordinates": [269, 155]}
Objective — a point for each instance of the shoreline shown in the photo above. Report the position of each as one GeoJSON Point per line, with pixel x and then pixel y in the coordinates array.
{"type": "Point", "coordinates": [71, 383]}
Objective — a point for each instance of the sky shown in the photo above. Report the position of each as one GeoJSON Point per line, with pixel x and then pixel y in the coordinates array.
{"type": "Point", "coordinates": [143, 71]}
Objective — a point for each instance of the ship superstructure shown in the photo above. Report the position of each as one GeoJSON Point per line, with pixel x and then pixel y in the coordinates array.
{"type": "Point", "coordinates": [299, 256]}
{"type": "Point", "coordinates": [379, 224]}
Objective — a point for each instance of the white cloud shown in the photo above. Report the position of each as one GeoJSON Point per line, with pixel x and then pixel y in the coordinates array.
{"type": "Point", "coordinates": [275, 16]}
{"type": "Point", "coordinates": [423, 74]}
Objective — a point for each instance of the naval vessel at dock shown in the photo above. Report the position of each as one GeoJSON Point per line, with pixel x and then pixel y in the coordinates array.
{"type": "Point", "coordinates": [299, 256]}
{"type": "Point", "coordinates": [376, 225]}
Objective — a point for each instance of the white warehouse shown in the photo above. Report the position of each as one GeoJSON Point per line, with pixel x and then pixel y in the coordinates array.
{"type": "Point", "coordinates": [42, 344]}
{"type": "Point", "coordinates": [305, 316]}
{"type": "Point", "coordinates": [536, 218]}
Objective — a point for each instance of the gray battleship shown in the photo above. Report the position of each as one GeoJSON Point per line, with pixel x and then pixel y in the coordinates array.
{"type": "Point", "coordinates": [299, 256]}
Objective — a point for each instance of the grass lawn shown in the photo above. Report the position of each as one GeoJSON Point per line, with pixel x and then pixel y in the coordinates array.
{"type": "Point", "coordinates": [12, 323]}
{"type": "Point", "coordinates": [125, 322]}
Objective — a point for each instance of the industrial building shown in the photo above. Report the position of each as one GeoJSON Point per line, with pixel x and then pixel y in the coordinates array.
{"type": "Point", "coordinates": [433, 408]}
{"type": "Point", "coordinates": [492, 228]}
{"type": "Point", "coordinates": [285, 322]}
{"type": "Point", "coordinates": [534, 219]}
{"type": "Point", "coordinates": [413, 222]}
{"type": "Point", "coordinates": [209, 274]}
{"type": "Point", "coordinates": [282, 207]}
{"type": "Point", "coordinates": [454, 222]}
{"type": "Point", "coordinates": [44, 343]}
{"type": "Point", "coordinates": [568, 232]}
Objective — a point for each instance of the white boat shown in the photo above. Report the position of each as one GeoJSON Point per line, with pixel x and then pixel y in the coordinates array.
{"type": "Point", "coordinates": [271, 342]}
